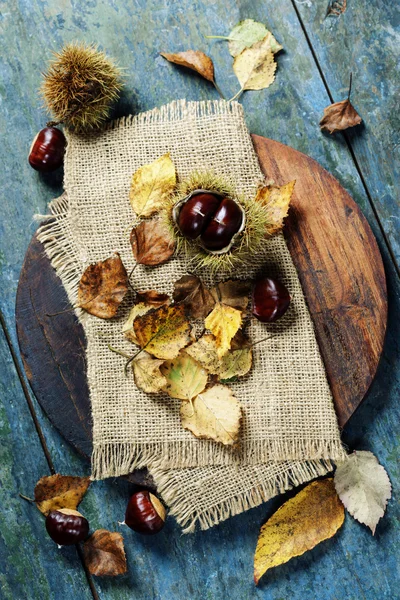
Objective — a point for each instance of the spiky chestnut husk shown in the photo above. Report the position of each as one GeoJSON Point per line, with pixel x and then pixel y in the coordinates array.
{"type": "Point", "coordinates": [80, 85]}
{"type": "Point", "coordinates": [249, 242]}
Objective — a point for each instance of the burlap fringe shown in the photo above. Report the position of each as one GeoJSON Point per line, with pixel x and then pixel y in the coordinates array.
{"type": "Point", "coordinates": [113, 459]}
{"type": "Point", "coordinates": [189, 519]}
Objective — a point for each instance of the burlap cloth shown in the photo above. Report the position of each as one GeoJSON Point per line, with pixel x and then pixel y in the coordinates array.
{"type": "Point", "coordinates": [287, 403]}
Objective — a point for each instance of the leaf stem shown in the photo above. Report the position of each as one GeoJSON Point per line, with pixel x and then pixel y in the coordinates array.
{"type": "Point", "coordinates": [240, 92]}
{"type": "Point", "coordinates": [118, 351]}
{"type": "Point", "coordinates": [350, 84]}
{"type": "Point", "coordinates": [217, 37]}
{"type": "Point", "coordinates": [26, 498]}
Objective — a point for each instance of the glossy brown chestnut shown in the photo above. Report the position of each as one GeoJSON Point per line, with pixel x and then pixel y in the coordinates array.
{"type": "Point", "coordinates": [271, 300]}
{"type": "Point", "coordinates": [196, 213]}
{"type": "Point", "coordinates": [47, 150]}
{"type": "Point", "coordinates": [145, 513]}
{"type": "Point", "coordinates": [225, 222]}
{"type": "Point", "coordinates": [66, 526]}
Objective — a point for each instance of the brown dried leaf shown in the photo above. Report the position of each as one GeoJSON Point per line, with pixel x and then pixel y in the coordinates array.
{"type": "Point", "coordinates": [233, 293]}
{"type": "Point", "coordinates": [163, 332]}
{"type": "Point", "coordinates": [313, 515]}
{"type": "Point", "coordinates": [151, 186]}
{"type": "Point", "coordinates": [141, 308]}
{"type": "Point", "coordinates": [104, 553]}
{"type": "Point", "coordinates": [204, 351]}
{"type": "Point", "coordinates": [60, 491]}
{"type": "Point", "coordinates": [235, 363]}
{"type": "Point", "coordinates": [153, 298]}
{"type": "Point", "coordinates": [195, 60]}
{"type": "Point", "coordinates": [255, 66]}
{"type": "Point", "coordinates": [185, 377]}
{"type": "Point", "coordinates": [336, 8]}
{"type": "Point", "coordinates": [214, 414]}
{"type": "Point", "coordinates": [152, 243]}
{"type": "Point", "coordinates": [339, 116]}
{"type": "Point", "coordinates": [223, 322]}
{"type": "Point", "coordinates": [103, 287]}
{"type": "Point", "coordinates": [190, 291]}
{"type": "Point", "coordinates": [147, 374]}
{"type": "Point", "coordinates": [276, 199]}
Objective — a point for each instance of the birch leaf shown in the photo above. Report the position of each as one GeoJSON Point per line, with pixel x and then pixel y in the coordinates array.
{"type": "Point", "coordinates": [246, 33]}
{"type": "Point", "coordinates": [235, 363]}
{"type": "Point", "coordinates": [255, 67]}
{"type": "Point", "coordinates": [194, 60]}
{"type": "Point", "coordinates": [234, 293]}
{"type": "Point", "coordinates": [60, 491]}
{"type": "Point", "coordinates": [147, 374]}
{"type": "Point", "coordinates": [163, 332]}
{"type": "Point", "coordinates": [339, 116]}
{"type": "Point", "coordinates": [364, 487]}
{"type": "Point", "coordinates": [223, 322]}
{"type": "Point", "coordinates": [102, 287]}
{"type": "Point", "coordinates": [312, 516]}
{"type": "Point", "coordinates": [152, 244]}
{"type": "Point", "coordinates": [185, 377]}
{"type": "Point", "coordinates": [214, 414]}
{"type": "Point", "coordinates": [151, 186]}
{"type": "Point", "coordinates": [104, 553]}
{"type": "Point", "coordinates": [276, 200]}
{"type": "Point", "coordinates": [190, 291]}
{"type": "Point", "coordinates": [141, 308]}
{"type": "Point", "coordinates": [204, 350]}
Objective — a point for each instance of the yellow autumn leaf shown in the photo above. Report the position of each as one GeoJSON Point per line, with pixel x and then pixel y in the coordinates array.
{"type": "Point", "coordinates": [163, 332]}
{"type": "Point", "coordinates": [151, 185]}
{"type": "Point", "coordinates": [223, 322]}
{"type": "Point", "coordinates": [60, 491]}
{"type": "Point", "coordinates": [204, 351]}
{"type": "Point", "coordinates": [276, 200]}
{"type": "Point", "coordinates": [235, 363]}
{"type": "Point", "coordinates": [255, 67]}
{"type": "Point", "coordinates": [185, 377]}
{"type": "Point", "coordinates": [147, 374]}
{"type": "Point", "coordinates": [214, 414]}
{"type": "Point", "coordinates": [312, 516]}
{"type": "Point", "coordinates": [141, 308]}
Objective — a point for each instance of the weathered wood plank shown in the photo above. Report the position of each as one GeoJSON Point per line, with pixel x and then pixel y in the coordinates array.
{"type": "Point", "coordinates": [364, 40]}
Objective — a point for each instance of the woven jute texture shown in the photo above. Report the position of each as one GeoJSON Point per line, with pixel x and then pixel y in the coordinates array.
{"type": "Point", "coordinates": [286, 400]}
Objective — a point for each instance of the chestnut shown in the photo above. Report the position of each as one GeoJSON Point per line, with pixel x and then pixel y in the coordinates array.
{"type": "Point", "coordinates": [66, 526]}
{"type": "Point", "coordinates": [47, 150]}
{"type": "Point", "coordinates": [145, 513]}
{"type": "Point", "coordinates": [224, 224]}
{"type": "Point", "coordinates": [271, 300]}
{"type": "Point", "coordinates": [196, 213]}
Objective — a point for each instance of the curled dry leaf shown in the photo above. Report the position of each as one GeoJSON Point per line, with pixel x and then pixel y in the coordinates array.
{"type": "Point", "coordinates": [195, 60]}
{"type": "Point", "coordinates": [163, 332]}
{"type": "Point", "coordinates": [151, 186]}
{"type": "Point", "coordinates": [339, 116]}
{"type": "Point", "coordinates": [60, 491]}
{"type": "Point", "coordinates": [153, 298]}
{"type": "Point", "coordinates": [234, 293]}
{"type": "Point", "coordinates": [364, 487]}
{"type": "Point", "coordinates": [147, 374]}
{"type": "Point", "coordinates": [214, 414]}
{"type": "Point", "coordinates": [152, 243]}
{"type": "Point", "coordinates": [276, 199]}
{"type": "Point", "coordinates": [103, 287]}
{"type": "Point", "coordinates": [255, 67]}
{"type": "Point", "coordinates": [104, 553]}
{"type": "Point", "coordinates": [223, 322]}
{"type": "Point", "coordinates": [141, 308]}
{"type": "Point", "coordinates": [185, 377]}
{"type": "Point", "coordinates": [190, 291]}
{"type": "Point", "coordinates": [312, 516]}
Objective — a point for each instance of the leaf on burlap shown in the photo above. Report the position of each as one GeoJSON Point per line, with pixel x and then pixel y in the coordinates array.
{"type": "Point", "coordinates": [60, 491]}
{"type": "Point", "coordinates": [276, 199]}
{"type": "Point", "coordinates": [190, 291]}
{"type": "Point", "coordinates": [193, 59]}
{"type": "Point", "coordinates": [214, 414]}
{"type": "Point", "coordinates": [234, 293]}
{"type": "Point", "coordinates": [152, 244]}
{"type": "Point", "coordinates": [223, 322]}
{"type": "Point", "coordinates": [104, 553]}
{"type": "Point", "coordinates": [310, 517]}
{"type": "Point", "coordinates": [339, 116]}
{"type": "Point", "coordinates": [153, 298]}
{"type": "Point", "coordinates": [364, 487]}
{"type": "Point", "coordinates": [185, 377]}
{"type": "Point", "coordinates": [151, 186]}
{"type": "Point", "coordinates": [235, 363]}
{"type": "Point", "coordinates": [103, 287]}
{"type": "Point", "coordinates": [139, 309]}
{"type": "Point", "coordinates": [248, 32]}
{"type": "Point", "coordinates": [163, 332]}
{"type": "Point", "coordinates": [204, 351]}
{"type": "Point", "coordinates": [147, 374]}
{"type": "Point", "coordinates": [255, 67]}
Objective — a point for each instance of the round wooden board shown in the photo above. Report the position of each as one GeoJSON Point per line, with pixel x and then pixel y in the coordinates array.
{"type": "Point", "coordinates": [339, 266]}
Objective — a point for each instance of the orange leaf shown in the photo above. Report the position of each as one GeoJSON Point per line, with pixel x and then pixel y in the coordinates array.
{"type": "Point", "coordinates": [104, 553]}
{"type": "Point", "coordinates": [195, 60]}
{"type": "Point", "coordinates": [151, 243]}
{"type": "Point", "coordinates": [339, 116]}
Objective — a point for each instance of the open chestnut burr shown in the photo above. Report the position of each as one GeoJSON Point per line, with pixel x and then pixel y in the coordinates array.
{"type": "Point", "coordinates": [211, 218]}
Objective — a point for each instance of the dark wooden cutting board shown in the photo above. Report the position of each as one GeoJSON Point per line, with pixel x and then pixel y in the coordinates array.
{"type": "Point", "coordinates": [340, 269]}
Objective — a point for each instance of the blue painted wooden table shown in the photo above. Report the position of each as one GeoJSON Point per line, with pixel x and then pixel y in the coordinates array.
{"type": "Point", "coordinates": [313, 70]}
